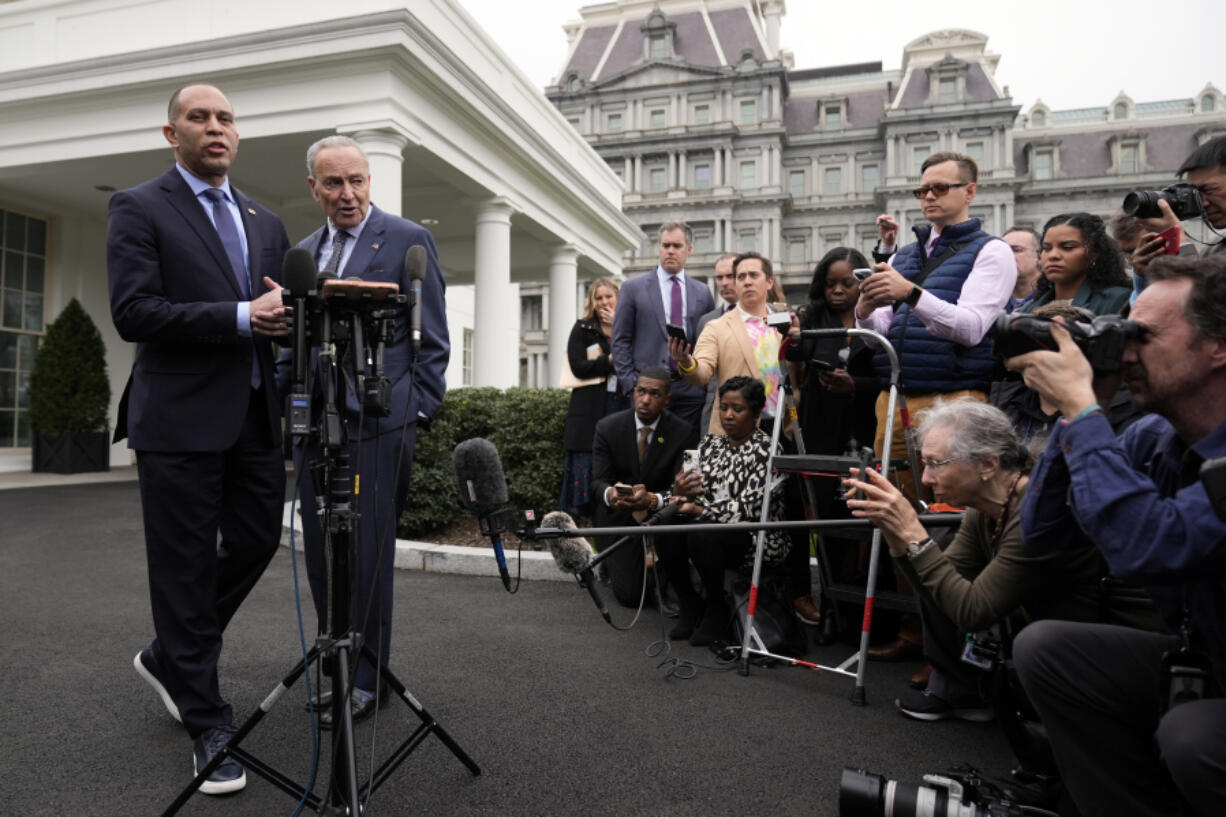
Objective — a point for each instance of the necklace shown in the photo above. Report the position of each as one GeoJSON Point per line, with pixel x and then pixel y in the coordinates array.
{"type": "Point", "coordinates": [1007, 506]}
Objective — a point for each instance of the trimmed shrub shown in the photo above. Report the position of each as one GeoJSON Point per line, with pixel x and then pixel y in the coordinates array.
{"type": "Point", "coordinates": [526, 427]}
{"type": "Point", "coordinates": [69, 390]}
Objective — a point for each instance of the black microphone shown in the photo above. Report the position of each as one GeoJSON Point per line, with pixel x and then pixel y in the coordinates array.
{"type": "Point", "coordinates": [574, 555]}
{"type": "Point", "coordinates": [483, 490]}
{"type": "Point", "coordinates": [298, 274]}
{"type": "Point", "coordinates": [415, 269]}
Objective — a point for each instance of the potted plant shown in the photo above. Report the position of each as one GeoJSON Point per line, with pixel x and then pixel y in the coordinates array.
{"type": "Point", "coordinates": [70, 396]}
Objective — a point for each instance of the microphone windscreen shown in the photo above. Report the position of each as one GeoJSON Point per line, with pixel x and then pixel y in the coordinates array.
{"type": "Point", "coordinates": [479, 477]}
{"type": "Point", "coordinates": [572, 554]}
{"type": "Point", "coordinates": [298, 271]}
{"type": "Point", "coordinates": [415, 263]}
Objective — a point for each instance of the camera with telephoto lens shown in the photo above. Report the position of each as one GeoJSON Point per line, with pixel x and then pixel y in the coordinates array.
{"type": "Point", "coordinates": [960, 793]}
{"type": "Point", "coordinates": [1183, 198]}
{"type": "Point", "coordinates": [1101, 340]}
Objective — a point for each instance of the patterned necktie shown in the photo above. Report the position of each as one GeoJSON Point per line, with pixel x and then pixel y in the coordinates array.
{"type": "Point", "coordinates": [644, 434]}
{"type": "Point", "coordinates": [676, 314]}
{"type": "Point", "coordinates": [228, 231]}
{"type": "Point", "coordinates": [338, 248]}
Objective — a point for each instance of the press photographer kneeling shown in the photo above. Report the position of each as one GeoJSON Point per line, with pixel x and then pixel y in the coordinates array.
{"type": "Point", "coordinates": [972, 457]}
{"type": "Point", "coordinates": [1132, 716]}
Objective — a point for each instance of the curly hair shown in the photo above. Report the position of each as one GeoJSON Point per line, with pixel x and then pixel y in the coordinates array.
{"type": "Point", "coordinates": [750, 388]}
{"type": "Point", "coordinates": [1106, 261]}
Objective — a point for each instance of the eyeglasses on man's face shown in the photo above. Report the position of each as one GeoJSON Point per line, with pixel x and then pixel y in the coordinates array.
{"type": "Point", "coordinates": [940, 188]}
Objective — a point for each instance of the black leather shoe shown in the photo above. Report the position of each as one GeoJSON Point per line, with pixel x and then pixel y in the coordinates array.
{"type": "Point", "coordinates": [229, 775]}
{"type": "Point", "coordinates": [361, 703]}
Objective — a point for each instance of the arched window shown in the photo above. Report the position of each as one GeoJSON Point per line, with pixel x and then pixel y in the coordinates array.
{"type": "Point", "coordinates": [1121, 110]}
{"type": "Point", "coordinates": [1038, 119]}
{"type": "Point", "coordinates": [1207, 104]}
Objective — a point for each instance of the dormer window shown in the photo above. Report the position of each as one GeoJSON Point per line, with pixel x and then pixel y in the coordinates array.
{"type": "Point", "coordinates": [1038, 118]}
{"type": "Point", "coordinates": [1208, 104]}
{"type": "Point", "coordinates": [1121, 110]}
{"type": "Point", "coordinates": [658, 36]}
{"type": "Point", "coordinates": [947, 91]}
{"type": "Point", "coordinates": [833, 117]}
{"type": "Point", "coordinates": [947, 81]}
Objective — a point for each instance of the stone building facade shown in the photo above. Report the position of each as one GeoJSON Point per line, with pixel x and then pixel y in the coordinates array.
{"type": "Point", "coordinates": [702, 116]}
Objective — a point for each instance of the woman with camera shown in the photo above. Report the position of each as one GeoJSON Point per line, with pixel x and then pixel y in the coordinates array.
{"type": "Point", "coordinates": [1081, 264]}
{"type": "Point", "coordinates": [589, 356]}
{"type": "Point", "coordinates": [728, 486]}
{"type": "Point", "coordinates": [972, 457]}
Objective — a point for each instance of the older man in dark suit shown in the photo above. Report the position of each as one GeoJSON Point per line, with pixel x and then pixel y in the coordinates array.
{"type": "Point", "coordinates": [192, 265]}
{"type": "Point", "coordinates": [646, 304]}
{"type": "Point", "coordinates": [361, 241]}
{"type": "Point", "coordinates": [635, 455]}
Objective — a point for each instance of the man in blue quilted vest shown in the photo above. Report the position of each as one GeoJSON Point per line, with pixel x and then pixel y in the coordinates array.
{"type": "Point", "coordinates": [936, 299]}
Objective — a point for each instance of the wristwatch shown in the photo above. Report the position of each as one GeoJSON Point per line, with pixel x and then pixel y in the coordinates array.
{"type": "Point", "coordinates": [914, 295]}
{"type": "Point", "coordinates": [914, 549]}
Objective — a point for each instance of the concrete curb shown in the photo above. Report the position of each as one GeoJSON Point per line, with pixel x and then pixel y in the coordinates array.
{"type": "Point", "coordinates": [456, 559]}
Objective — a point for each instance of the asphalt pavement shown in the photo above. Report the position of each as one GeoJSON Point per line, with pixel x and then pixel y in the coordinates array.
{"type": "Point", "coordinates": [564, 715]}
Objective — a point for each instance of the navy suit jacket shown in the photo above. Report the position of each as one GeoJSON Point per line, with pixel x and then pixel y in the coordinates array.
{"type": "Point", "coordinates": [639, 335]}
{"type": "Point", "coordinates": [379, 255]}
{"type": "Point", "coordinates": [174, 294]}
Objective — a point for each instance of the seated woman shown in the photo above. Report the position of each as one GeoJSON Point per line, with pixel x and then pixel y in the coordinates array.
{"type": "Point", "coordinates": [727, 487]}
{"type": "Point", "coordinates": [1082, 264]}
{"type": "Point", "coordinates": [972, 457]}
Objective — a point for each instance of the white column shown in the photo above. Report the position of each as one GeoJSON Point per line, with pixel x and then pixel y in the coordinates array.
{"type": "Point", "coordinates": [672, 170]}
{"type": "Point", "coordinates": [563, 278]}
{"type": "Point", "coordinates": [627, 170]}
{"type": "Point", "coordinates": [638, 174]}
{"type": "Point", "coordinates": [496, 321]}
{"type": "Point", "coordinates": [384, 153]}
{"type": "Point", "coordinates": [682, 182]}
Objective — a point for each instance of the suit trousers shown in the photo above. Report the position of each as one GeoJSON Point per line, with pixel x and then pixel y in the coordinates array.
{"type": "Point", "coordinates": [381, 494]}
{"type": "Point", "coordinates": [1096, 687]}
{"type": "Point", "coordinates": [196, 582]}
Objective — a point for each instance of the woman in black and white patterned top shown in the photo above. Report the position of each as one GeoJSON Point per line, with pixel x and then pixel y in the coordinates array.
{"type": "Point", "coordinates": [728, 487]}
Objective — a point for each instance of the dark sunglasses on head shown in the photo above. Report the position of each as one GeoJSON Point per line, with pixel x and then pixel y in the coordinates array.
{"type": "Point", "coordinates": [940, 188]}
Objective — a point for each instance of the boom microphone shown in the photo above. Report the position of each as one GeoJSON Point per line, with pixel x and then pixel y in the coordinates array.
{"type": "Point", "coordinates": [483, 489]}
{"type": "Point", "coordinates": [574, 555]}
{"type": "Point", "coordinates": [415, 269]}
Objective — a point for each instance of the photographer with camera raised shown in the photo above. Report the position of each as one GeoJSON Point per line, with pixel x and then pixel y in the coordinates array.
{"type": "Point", "coordinates": [972, 457]}
{"type": "Point", "coordinates": [1107, 695]}
{"type": "Point", "coordinates": [1202, 194]}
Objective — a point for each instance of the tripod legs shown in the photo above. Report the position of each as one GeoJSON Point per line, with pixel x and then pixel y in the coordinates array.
{"type": "Point", "coordinates": [347, 794]}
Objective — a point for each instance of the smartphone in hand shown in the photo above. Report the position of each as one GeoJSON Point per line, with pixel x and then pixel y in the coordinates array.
{"type": "Point", "coordinates": [675, 331]}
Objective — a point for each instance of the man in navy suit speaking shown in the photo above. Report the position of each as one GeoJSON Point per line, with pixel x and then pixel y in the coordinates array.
{"type": "Point", "coordinates": [359, 240]}
{"type": "Point", "coordinates": [193, 267]}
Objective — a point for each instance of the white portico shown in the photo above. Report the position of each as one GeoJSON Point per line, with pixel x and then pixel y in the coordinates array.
{"type": "Point", "coordinates": [458, 139]}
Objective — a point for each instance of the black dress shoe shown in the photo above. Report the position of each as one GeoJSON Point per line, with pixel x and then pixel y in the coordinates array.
{"type": "Point", "coordinates": [362, 705]}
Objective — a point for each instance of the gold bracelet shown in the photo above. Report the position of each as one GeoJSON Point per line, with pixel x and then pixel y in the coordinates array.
{"type": "Point", "coordinates": [681, 367]}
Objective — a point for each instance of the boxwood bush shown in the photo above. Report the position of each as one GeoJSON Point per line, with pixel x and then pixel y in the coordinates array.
{"type": "Point", "coordinates": [526, 427]}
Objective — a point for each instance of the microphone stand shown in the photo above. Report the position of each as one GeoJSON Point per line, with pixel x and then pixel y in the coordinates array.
{"type": "Point", "coordinates": [338, 323]}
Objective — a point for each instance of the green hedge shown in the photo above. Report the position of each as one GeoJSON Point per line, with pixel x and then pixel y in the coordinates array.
{"type": "Point", "coordinates": [526, 427]}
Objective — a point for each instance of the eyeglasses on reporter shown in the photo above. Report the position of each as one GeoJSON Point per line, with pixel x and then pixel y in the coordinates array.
{"type": "Point", "coordinates": [940, 188]}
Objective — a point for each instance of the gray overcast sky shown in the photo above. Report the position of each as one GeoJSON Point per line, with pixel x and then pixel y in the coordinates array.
{"type": "Point", "coordinates": [1071, 53]}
